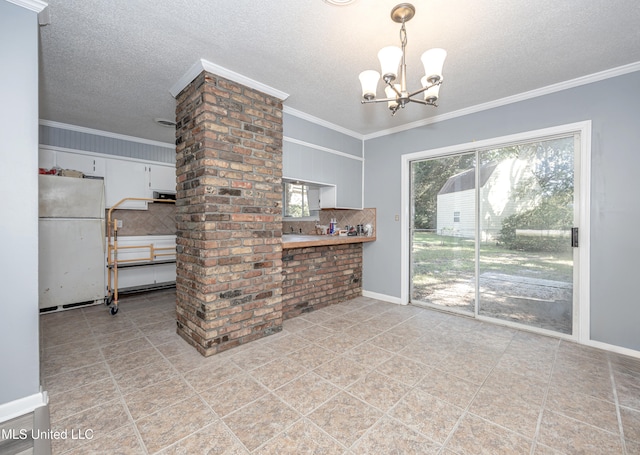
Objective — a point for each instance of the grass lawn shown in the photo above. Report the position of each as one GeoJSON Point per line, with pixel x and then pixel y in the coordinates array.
{"type": "Point", "coordinates": [438, 260]}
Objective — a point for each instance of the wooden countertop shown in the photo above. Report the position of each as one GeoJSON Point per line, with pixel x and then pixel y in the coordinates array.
{"type": "Point", "coordinates": [304, 241]}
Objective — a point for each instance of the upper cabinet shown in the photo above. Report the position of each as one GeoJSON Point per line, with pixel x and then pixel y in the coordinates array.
{"type": "Point", "coordinates": [126, 179]}
{"type": "Point", "coordinates": [123, 177]}
{"type": "Point", "coordinates": [87, 164]}
{"type": "Point", "coordinates": [162, 178]}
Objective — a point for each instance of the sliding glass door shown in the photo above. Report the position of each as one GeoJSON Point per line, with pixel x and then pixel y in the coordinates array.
{"type": "Point", "coordinates": [492, 232]}
{"type": "Point", "coordinates": [526, 213]}
{"type": "Point", "coordinates": [443, 232]}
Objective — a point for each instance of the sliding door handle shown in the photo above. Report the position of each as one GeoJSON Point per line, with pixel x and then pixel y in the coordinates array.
{"type": "Point", "coordinates": [574, 237]}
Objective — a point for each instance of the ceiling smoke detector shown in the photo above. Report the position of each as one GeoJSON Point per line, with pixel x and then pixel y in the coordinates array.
{"type": "Point", "coordinates": [165, 122]}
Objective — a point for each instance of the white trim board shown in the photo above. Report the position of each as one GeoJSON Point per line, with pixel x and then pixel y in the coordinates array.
{"type": "Point", "coordinates": [55, 148]}
{"type": "Point", "coordinates": [382, 297]}
{"type": "Point", "coordinates": [321, 148]}
{"type": "Point", "coordinates": [82, 129]}
{"type": "Point", "coordinates": [205, 65]}
{"type": "Point", "coordinates": [614, 72]}
{"type": "Point", "coordinates": [33, 5]}
{"type": "Point", "coordinates": [22, 406]}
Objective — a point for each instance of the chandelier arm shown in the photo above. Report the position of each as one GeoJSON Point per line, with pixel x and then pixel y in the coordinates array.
{"type": "Point", "coordinates": [378, 100]}
{"type": "Point", "coordinates": [424, 89]}
{"type": "Point", "coordinates": [393, 87]}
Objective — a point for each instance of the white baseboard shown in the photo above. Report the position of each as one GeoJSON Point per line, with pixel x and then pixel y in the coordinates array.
{"type": "Point", "coordinates": [613, 348]}
{"type": "Point", "coordinates": [22, 406]}
{"type": "Point", "coordinates": [383, 297]}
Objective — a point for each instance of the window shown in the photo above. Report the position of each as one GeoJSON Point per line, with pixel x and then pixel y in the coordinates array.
{"type": "Point", "coordinates": [456, 217]}
{"type": "Point", "coordinates": [295, 200]}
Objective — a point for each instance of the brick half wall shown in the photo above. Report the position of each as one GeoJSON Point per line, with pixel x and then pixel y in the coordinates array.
{"type": "Point", "coordinates": [316, 277]}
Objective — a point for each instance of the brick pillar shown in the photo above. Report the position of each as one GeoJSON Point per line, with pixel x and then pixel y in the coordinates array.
{"type": "Point", "coordinates": [228, 214]}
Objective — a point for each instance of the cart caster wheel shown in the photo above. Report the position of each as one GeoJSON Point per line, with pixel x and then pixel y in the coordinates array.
{"type": "Point", "coordinates": [108, 300]}
{"type": "Point", "coordinates": [113, 310]}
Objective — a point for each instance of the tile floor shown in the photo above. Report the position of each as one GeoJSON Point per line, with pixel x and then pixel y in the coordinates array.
{"type": "Point", "coordinates": [361, 377]}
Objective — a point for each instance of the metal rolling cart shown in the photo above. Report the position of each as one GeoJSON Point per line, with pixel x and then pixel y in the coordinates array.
{"type": "Point", "coordinates": [154, 255]}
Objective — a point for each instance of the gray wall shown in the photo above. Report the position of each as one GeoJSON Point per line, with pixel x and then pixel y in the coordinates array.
{"type": "Point", "coordinates": [613, 105]}
{"type": "Point", "coordinates": [19, 357]}
{"type": "Point", "coordinates": [88, 142]}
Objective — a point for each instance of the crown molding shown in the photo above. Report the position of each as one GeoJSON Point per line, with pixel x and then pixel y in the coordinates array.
{"type": "Point", "coordinates": [572, 83]}
{"type": "Point", "coordinates": [320, 122]}
{"type": "Point", "coordinates": [82, 129]}
{"type": "Point", "coordinates": [321, 148]}
{"type": "Point", "coordinates": [205, 65]}
{"type": "Point", "coordinates": [33, 5]}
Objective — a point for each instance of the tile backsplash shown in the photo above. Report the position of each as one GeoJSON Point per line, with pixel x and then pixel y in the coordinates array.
{"type": "Point", "coordinates": [343, 218]}
{"type": "Point", "coordinates": [158, 219]}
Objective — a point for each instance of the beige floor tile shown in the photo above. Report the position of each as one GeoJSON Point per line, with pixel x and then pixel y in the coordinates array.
{"type": "Point", "coordinates": [507, 410]}
{"type": "Point", "coordinates": [345, 418]}
{"type": "Point", "coordinates": [285, 343]}
{"type": "Point", "coordinates": [307, 392]}
{"type": "Point", "coordinates": [76, 378]}
{"type": "Point", "coordinates": [122, 364]}
{"type": "Point", "coordinates": [475, 436]}
{"type": "Point", "coordinates": [66, 362]}
{"type": "Point", "coordinates": [572, 436]}
{"type": "Point", "coordinates": [312, 356]}
{"type": "Point", "coordinates": [631, 424]}
{"type": "Point", "coordinates": [122, 348]}
{"type": "Point", "coordinates": [123, 441]}
{"type": "Point", "coordinates": [427, 414]}
{"type": "Point", "coordinates": [529, 389]}
{"type": "Point", "coordinates": [233, 394]}
{"type": "Point", "coordinates": [628, 387]}
{"type": "Point", "coordinates": [65, 404]}
{"type": "Point", "coordinates": [341, 371]}
{"type": "Point", "coordinates": [404, 370]}
{"type": "Point", "coordinates": [252, 357]}
{"type": "Point", "coordinates": [391, 342]}
{"type": "Point", "coordinates": [338, 343]}
{"type": "Point", "coordinates": [261, 420]}
{"type": "Point", "coordinates": [368, 354]}
{"type": "Point", "coordinates": [151, 399]}
{"type": "Point", "coordinates": [174, 423]}
{"type": "Point", "coordinates": [278, 372]}
{"type": "Point", "coordinates": [448, 387]}
{"type": "Point", "coordinates": [138, 378]}
{"type": "Point", "coordinates": [214, 439]}
{"type": "Point", "coordinates": [213, 373]}
{"type": "Point", "coordinates": [100, 420]}
{"type": "Point", "coordinates": [378, 390]}
{"type": "Point", "coordinates": [392, 437]}
{"type": "Point", "coordinates": [303, 437]}
{"type": "Point", "coordinates": [596, 412]}
{"type": "Point", "coordinates": [426, 369]}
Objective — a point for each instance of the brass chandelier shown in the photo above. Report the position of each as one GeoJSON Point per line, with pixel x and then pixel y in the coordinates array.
{"type": "Point", "coordinates": [391, 58]}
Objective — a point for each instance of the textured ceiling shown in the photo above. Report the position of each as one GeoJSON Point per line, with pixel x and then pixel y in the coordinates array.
{"type": "Point", "coordinates": [109, 65]}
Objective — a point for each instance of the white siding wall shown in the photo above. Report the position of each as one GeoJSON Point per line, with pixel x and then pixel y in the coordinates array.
{"type": "Point", "coordinates": [463, 202]}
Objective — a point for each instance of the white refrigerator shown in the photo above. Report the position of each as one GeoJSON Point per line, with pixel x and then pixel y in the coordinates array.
{"type": "Point", "coordinates": [71, 241]}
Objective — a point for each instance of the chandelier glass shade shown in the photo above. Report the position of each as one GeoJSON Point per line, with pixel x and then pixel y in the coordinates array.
{"type": "Point", "coordinates": [393, 70]}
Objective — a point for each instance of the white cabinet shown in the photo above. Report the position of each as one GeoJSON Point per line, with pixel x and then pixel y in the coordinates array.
{"type": "Point", "coordinates": [162, 178]}
{"type": "Point", "coordinates": [46, 158]}
{"type": "Point", "coordinates": [87, 164]}
{"type": "Point", "coordinates": [327, 197]}
{"type": "Point", "coordinates": [126, 179]}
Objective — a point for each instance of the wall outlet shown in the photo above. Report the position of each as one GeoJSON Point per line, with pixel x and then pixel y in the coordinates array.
{"type": "Point", "coordinates": [397, 217]}
{"type": "Point", "coordinates": [119, 223]}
